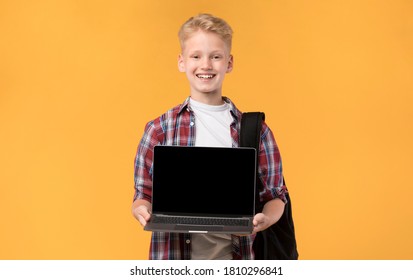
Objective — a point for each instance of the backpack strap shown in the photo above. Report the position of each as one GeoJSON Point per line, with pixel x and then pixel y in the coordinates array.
{"type": "Point", "coordinates": [250, 136]}
{"type": "Point", "coordinates": [251, 124]}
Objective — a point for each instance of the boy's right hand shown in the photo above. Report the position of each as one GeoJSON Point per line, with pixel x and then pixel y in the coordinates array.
{"type": "Point", "coordinates": [142, 214]}
{"type": "Point", "coordinates": [141, 211]}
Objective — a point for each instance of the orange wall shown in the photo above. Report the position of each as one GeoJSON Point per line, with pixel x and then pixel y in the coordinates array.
{"type": "Point", "coordinates": [79, 80]}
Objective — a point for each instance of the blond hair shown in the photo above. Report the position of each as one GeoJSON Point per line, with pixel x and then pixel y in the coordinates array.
{"type": "Point", "coordinates": [207, 23]}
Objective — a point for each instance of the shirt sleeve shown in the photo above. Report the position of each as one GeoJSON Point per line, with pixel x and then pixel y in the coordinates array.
{"type": "Point", "coordinates": [144, 163]}
{"type": "Point", "coordinates": [270, 167]}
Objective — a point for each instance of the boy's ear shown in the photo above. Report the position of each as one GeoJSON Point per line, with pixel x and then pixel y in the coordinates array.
{"type": "Point", "coordinates": [230, 63]}
{"type": "Point", "coordinates": [181, 65]}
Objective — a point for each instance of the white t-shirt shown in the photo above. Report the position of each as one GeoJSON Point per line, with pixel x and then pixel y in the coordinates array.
{"type": "Point", "coordinates": [212, 124]}
{"type": "Point", "coordinates": [212, 128]}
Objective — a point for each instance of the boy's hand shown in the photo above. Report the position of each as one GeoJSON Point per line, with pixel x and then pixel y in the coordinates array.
{"type": "Point", "coordinates": [271, 213]}
{"type": "Point", "coordinates": [142, 212]}
{"type": "Point", "coordinates": [260, 222]}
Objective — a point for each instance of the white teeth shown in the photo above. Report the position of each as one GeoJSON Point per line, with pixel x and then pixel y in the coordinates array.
{"type": "Point", "coordinates": [205, 76]}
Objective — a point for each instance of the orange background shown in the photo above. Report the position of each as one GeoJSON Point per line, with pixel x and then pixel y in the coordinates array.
{"type": "Point", "coordinates": [79, 80]}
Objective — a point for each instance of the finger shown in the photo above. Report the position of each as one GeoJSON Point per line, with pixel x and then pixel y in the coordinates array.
{"type": "Point", "coordinates": [256, 228]}
{"type": "Point", "coordinates": [142, 214]}
{"type": "Point", "coordinates": [143, 211]}
{"type": "Point", "coordinates": [142, 220]}
{"type": "Point", "coordinates": [258, 219]}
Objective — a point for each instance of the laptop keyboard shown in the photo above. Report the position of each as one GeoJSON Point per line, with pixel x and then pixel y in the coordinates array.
{"type": "Point", "coordinates": [200, 221]}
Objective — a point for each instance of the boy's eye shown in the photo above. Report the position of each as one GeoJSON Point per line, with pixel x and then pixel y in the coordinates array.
{"type": "Point", "coordinates": [216, 57]}
{"type": "Point", "coordinates": [195, 56]}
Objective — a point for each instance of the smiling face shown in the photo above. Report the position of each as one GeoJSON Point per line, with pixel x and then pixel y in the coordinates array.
{"type": "Point", "coordinates": [205, 59]}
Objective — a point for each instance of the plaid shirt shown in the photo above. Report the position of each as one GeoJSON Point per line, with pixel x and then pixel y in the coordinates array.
{"type": "Point", "coordinates": [177, 127]}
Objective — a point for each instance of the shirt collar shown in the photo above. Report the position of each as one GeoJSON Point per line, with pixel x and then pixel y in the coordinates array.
{"type": "Point", "coordinates": [232, 108]}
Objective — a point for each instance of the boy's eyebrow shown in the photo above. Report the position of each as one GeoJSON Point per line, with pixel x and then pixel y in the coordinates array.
{"type": "Point", "coordinates": [212, 52]}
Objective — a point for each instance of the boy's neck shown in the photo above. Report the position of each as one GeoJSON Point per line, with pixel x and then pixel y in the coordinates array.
{"type": "Point", "coordinates": [208, 98]}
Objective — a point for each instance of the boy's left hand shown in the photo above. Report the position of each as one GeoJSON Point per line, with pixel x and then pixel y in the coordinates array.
{"type": "Point", "coordinates": [271, 213]}
{"type": "Point", "coordinates": [260, 222]}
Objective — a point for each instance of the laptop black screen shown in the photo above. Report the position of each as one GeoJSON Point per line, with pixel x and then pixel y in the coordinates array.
{"type": "Point", "coordinates": [203, 180]}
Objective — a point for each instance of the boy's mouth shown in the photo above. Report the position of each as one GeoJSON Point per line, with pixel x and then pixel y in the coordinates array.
{"type": "Point", "coordinates": [205, 76]}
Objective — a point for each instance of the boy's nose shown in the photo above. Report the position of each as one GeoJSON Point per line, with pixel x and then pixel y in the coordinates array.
{"type": "Point", "coordinates": [206, 64]}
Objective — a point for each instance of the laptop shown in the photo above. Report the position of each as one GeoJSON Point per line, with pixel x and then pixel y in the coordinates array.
{"type": "Point", "coordinates": [203, 189]}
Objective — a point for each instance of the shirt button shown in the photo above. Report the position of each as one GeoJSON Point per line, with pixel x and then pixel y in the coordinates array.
{"type": "Point", "coordinates": [191, 123]}
{"type": "Point", "coordinates": [188, 241]}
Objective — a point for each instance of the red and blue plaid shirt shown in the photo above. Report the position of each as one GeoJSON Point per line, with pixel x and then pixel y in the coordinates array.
{"type": "Point", "coordinates": [177, 127]}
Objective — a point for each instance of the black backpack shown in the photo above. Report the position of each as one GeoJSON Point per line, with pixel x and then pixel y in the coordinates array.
{"type": "Point", "coordinates": [278, 241]}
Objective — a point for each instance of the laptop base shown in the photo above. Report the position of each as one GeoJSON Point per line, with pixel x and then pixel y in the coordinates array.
{"type": "Point", "coordinates": [196, 229]}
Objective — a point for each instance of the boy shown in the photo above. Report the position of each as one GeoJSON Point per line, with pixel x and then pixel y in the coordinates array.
{"type": "Point", "coordinates": [206, 118]}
